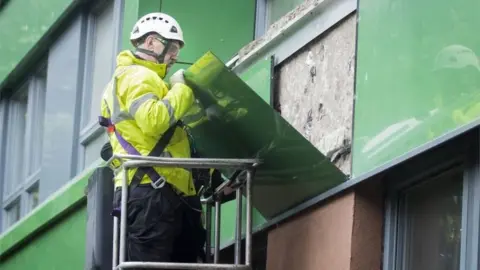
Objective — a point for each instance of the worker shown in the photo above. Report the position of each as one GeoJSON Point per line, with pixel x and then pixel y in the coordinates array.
{"type": "Point", "coordinates": [141, 111]}
{"type": "Point", "coordinates": [456, 80]}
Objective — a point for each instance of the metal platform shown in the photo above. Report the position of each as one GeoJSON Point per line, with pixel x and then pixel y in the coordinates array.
{"type": "Point", "coordinates": [248, 165]}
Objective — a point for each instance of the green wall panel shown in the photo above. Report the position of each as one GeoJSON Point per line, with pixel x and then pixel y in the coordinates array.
{"type": "Point", "coordinates": [22, 24]}
{"type": "Point", "coordinates": [222, 26]}
{"type": "Point", "coordinates": [237, 123]}
{"type": "Point", "coordinates": [130, 17]}
{"type": "Point", "coordinates": [259, 78]}
{"type": "Point", "coordinates": [418, 75]}
{"type": "Point", "coordinates": [228, 217]}
{"type": "Point", "coordinates": [71, 194]}
{"type": "Point", "coordinates": [61, 247]}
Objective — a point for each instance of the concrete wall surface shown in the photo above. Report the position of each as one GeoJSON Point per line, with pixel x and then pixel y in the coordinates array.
{"type": "Point", "coordinates": [315, 91]}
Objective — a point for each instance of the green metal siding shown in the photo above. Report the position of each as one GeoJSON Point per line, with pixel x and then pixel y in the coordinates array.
{"type": "Point", "coordinates": [259, 77]}
{"type": "Point", "coordinates": [22, 24]}
{"type": "Point", "coordinates": [46, 213]}
{"type": "Point", "coordinates": [217, 25]}
{"type": "Point", "coordinates": [410, 87]}
{"type": "Point", "coordinates": [61, 247]}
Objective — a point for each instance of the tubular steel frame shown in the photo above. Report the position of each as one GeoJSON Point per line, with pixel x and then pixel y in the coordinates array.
{"type": "Point", "coordinates": [248, 165]}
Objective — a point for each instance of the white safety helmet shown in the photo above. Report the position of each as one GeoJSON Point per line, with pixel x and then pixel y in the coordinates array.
{"type": "Point", "coordinates": [160, 23]}
{"type": "Point", "coordinates": [456, 57]}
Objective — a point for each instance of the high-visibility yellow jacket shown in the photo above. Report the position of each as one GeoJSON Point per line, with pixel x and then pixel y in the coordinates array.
{"type": "Point", "coordinates": [142, 109]}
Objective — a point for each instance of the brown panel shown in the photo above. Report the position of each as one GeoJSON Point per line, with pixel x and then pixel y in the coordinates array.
{"type": "Point", "coordinates": [320, 239]}
{"type": "Point", "coordinates": [367, 234]}
{"type": "Point", "coordinates": [342, 234]}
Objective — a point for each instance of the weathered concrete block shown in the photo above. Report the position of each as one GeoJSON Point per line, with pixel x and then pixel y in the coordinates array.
{"type": "Point", "coordinates": [315, 91]}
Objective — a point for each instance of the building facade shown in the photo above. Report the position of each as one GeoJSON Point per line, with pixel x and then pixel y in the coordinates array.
{"type": "Point", "coordinates": [389, 98]}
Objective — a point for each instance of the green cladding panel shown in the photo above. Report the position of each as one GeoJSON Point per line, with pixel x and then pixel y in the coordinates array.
{"type": "Point", "coordinates": [259, 78]}
{"type": "Point", "coordinates": [232, 121]}
{"type": "Point", "coordinates": [59, 248]}
{"type": "Point", "coordinates": [22, 24]}
{"type": "Point", "coordinates": [223, 26]}
{"type": "Point", "coordinates": [418, 75]}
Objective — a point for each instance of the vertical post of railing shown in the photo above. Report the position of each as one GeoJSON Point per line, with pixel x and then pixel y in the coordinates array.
{"type": "Point", "coordinates": [115, 243]}
{"type": "Point", "coordinates": [123, 217]}
{"type": "Point", "coordinates": [208, 227]}
{"type": "Point", "coordinates": [238, 227]}
{"type": "Point", "coordinates": [248, 229]}
{"type": "Point", "coordinates": [216, 253]}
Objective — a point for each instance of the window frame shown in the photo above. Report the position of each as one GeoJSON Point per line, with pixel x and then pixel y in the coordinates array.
{"type": "Point", "coordinates": [269, 5]}
{"type": "Point", "coordinates": [460, 155]}
{"type": "Point", "coordinates": [7, 208]}
{"type": "Point", "coordinates": [3, 131]}
{"type": "Point", "coordinates": [15, 193]}
{"type": "Point", "coordinates": [90, 131]}
{"type": "Point", "coordinates": [86, 126]}
{"type": "Point", "coordinates": [261, 18]}
{"type": "Point", "coordinates": [35, 90]}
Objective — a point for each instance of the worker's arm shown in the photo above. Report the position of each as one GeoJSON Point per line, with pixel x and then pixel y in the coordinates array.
{"type": "Point", "coordinates": [154, 115]}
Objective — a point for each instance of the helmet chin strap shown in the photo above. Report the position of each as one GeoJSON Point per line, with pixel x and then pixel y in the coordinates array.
{"type": "Point", "coordinates": [159, 57]}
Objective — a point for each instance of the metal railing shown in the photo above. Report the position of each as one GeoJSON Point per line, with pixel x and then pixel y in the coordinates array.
{"type": "Point", "coordinates": [247, 165]}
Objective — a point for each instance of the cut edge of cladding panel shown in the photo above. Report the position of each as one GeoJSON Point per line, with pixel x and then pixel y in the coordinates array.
{"type": "Point", "coordinates": [47, 212]}
{"type": "Point", "coordinates": [39, 49]}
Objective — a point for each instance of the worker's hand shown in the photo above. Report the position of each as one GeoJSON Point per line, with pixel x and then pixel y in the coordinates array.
{"type": "Point", "coordinates": [228, 190]}
{"type": "Point", "coordinates": [177, 77]}
{"type": "Point", "coordinates": [213, 112]}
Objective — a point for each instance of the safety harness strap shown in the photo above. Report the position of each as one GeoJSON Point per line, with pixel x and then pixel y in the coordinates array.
{"type": "Point", "coordinates": [156, 151]}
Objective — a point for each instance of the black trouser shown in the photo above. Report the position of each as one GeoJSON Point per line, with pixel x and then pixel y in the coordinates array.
{"type": "Point", "coordinates": [162, 226]}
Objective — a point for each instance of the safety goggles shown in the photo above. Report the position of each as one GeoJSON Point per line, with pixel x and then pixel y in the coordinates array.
{"type": "Point", "coordinates": [173, 49]}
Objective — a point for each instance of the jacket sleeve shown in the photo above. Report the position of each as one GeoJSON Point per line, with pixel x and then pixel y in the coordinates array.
{"type": "Point", "coordinates": [154, 114]}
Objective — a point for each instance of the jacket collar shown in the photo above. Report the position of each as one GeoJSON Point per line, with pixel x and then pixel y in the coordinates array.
{"type": "Point", "coordinates": [127, 58]}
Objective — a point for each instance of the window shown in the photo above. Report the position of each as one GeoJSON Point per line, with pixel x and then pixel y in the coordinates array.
{"type": "Point", "coordinates": [100, 61]}
{"type": "Point", "coordinates": [34, 139]}
{"type": "Point", "coordinates": [430, 222]}
{"type": "Point", "coordinates": [102, 64]}
{"type": "Point", "coordinates": [99, 69]}
{"type": "Point", "coordinates": [432, 225]}
{"type": "Point", "coordinates": [33, 198]}
{"type": "Point", "coordinates": [277, 8]}
{"type": "Point", "coordinates": [15, 142]}
{"type": "Point", "coordinates": [12, 214]}
{"type": "Point", "coordinates": [25, 112]}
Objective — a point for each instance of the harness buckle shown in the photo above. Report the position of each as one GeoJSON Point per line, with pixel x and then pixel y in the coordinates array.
{"type": "Point", "coordinates": [111, 129]}
{"type": "Point", "coordinates": [159, 183]}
